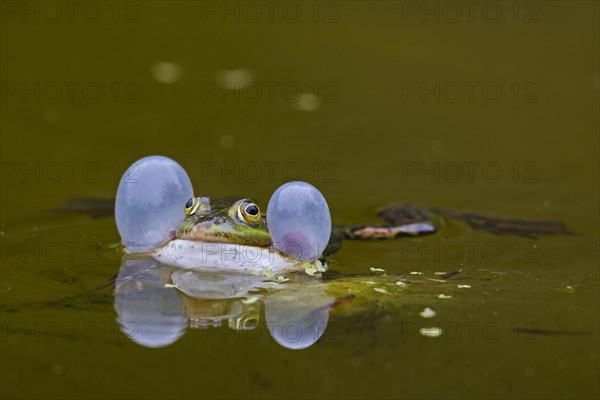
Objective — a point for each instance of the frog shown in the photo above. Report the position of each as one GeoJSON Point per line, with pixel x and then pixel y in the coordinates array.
{"type": "Point", "coordinates": [233, 234]}
{"type": "Point", "coordinates": [233, 237]}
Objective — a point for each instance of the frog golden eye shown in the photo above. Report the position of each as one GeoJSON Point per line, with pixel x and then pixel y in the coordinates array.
{"type": "Point", "coordinates": [249, 212]}
{"type": "Point", "coordinates": [191, 206]}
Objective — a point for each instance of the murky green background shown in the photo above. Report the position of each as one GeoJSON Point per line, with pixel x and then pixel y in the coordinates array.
{"type": "Point", "coordinates": [376, 128]}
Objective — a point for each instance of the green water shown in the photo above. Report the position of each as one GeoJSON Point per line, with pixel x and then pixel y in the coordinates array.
{"type": "Point", "coordinates": [469, 113]}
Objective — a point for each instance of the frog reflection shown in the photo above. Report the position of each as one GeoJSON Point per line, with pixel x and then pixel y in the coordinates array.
{"type": "Point", "coordinates": [156, 303]}
{"type": "Point", "coordinates": [297, 317]}
{"type": "Point", "coordinates": [148, 312]}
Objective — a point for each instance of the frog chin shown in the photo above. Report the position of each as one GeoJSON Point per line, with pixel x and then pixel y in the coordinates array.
{"type": "Point", "coordinates": [202, 255]}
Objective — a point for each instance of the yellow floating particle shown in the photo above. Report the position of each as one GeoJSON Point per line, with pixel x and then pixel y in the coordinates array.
{"type": "Point", "coordinates": [427, 313]}
{"type": "Point", "coordinates": [444, 296]}
{"type": "Point", "coordinates": [309, 269]}
{"type": "Point", "coordinates": [431, 332]}
{"type": "Point", "coordinates": [319, 266]}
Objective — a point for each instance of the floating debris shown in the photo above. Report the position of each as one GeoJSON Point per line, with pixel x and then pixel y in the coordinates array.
{"type": "Point", "coordinates": [567, 289]}
{"type": "Point", "coordinates": [310, 271]}
{"type": "Point", "coordinates": [380, 290]}
{"type": "Point", "coordinates": [427, 313]}
{"type": "Point", "coordinates": [377, 269]}
{"type": "Point", "coordinates": [444, 296]}
{"type": "Point", "coordinates": [400, 283]}
{"type": "Point", "coordinates": [281, 278]}
{"type": "Point", "coordinates": [436, 280]}
{"type": "Point", "coordinates": [431, 332]}
{"type": "Point", "coordinates": [312, 268]}
{"type": "Point", "coordinates": [319, 265]}
{"type": "Point", "coordinates": [448, 275]}
{"type": "Point", "coordinates": [440, 273]}
{"type": "Point", "coordinates": [370, 283]}
{"type": "Point", "coordinates": [416, 273]}
{"type": "Point", "coordinates": [464, 286]}
{"type": "Point", "coordinates": [550, 332]}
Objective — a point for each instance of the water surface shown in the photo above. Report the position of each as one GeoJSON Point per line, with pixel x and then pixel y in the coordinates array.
{"type": "Point", "coordinates": [395, 121]}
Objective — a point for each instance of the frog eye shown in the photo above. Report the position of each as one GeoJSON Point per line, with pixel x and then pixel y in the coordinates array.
{"type": "Point", "coordinates": [249, 212]}
{"type": "Point", "coordinates": [191, 206]}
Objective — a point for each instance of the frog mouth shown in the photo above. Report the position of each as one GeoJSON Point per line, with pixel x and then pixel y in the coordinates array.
{"type": "Point", "coordinates": [209, 231]}
{"type": "Point", "coordinates": [204, 236]}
